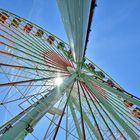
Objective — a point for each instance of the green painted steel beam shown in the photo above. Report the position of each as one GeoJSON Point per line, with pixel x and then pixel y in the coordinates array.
{"type": "Point", "coordinates": [75, 15]}
{"type": "Point", "coordinates": [86, 119]}
{"type": "Point", "coordinates": [112, 90]}
{"type": "Point", "coordinates": [19, 130]}
{"type": "Point", "coordinates": [75, 119]}
{"type": "Point", "coordinates": [109, 108]}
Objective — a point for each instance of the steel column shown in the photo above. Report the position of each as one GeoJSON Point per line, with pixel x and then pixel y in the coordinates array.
{"type": "Point", "coordinates": [75, 16]}
{"type": "Point", "coordinates": [19, 130]}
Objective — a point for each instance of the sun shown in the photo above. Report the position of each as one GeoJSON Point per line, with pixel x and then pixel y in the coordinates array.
{"type": "Point", "coordinates": [58, 81]}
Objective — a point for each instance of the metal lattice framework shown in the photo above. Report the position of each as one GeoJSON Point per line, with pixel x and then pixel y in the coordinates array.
{"type": "Point", "coordinates": [89, 104]}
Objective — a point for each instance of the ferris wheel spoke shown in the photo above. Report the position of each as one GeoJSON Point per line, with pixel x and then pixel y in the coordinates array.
{"type": "Point", "coordinates": [25, 81]}
{"type": "Point", "coordinates": [75, 120]}
{"type": "Point", "coordinates": [56, 61]}
{"type": "Point", "coordinates": [54, 137]}
{"type": "Point", "coordinates": [52, 121]}
{"type": "Point", "coordinates": [81, 112]}
{"type": "Point", "coordinates": [126, 117]}
{"type": "Point", "coordinates": [123, 112]}
{"type": "Point", "coordinates": [54, 57]}
{"type": "Point", "coordinates": [116, 92]}
{"type": "Point", "coordinates": [21, 50]}
{"type": "Point", "coordinates": [54, 95]}
{"type": "Point", "coordinates": [67, 131]}
{"type": "Point", "coordinates": [46, 68]}
{"type": "Point", "coordinates": [119, 105]}
{"type": "Point", "coordinates": [29, 68]}
{"type": "Point", "coordinates": [82, 87]}
{"type": "Point", "coordinates": [28, 54]}
{"type": "Point", "coordinates": [113, 123]}
{"type": "Point", "coordinates": [9, 112]}
{"type": "Point", "coordinates": [22, 74]}
{"type": "Point", "coordinates": [53, 62]}
{"type": "Point", "coordinates": [67, 122]}
{"type": "Point", "coordinates": [19, 40]}
{"type": "Point", "coordinates": [12, 60]}
{"type": "Point", "coordinates": [49, 127]}
{"type": "Point", "coordinates": [7, 93]}
{"type": "Point", "coordinates": [31, 39]}
{"type": "Point", "coordinates": [99, 111]}
{"type": "Point", "coordinates": [108, 116]}
{"type": "Point", "coordinates": [21, 46]}
{"type": "Point", "coordinates": [110, 109]}
{"type": "Point", "coordinates": [19, 57]}
{"type": "Point", "coordinates": [104, 119]}
{"type": "Point", "coordinates": [21, 98]}
{"type": "Point", "coordinates": [103, 72]}
{"type": "Point", "coordinates": [86, 118]}
{"type": "Point", "coordinates": [36, 44]}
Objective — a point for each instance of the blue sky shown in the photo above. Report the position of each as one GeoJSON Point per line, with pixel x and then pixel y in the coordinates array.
{"type": "Point", "coordinates": [114, 41]}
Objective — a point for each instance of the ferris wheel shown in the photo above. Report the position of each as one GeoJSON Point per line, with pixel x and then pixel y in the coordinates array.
{"type": "Point", "coordinates": [51, 90]}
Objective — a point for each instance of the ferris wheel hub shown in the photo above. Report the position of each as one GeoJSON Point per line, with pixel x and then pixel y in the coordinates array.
{"type": "Point", "coordinates": [71, 70]}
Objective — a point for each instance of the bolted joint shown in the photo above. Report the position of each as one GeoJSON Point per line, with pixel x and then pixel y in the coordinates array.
{"type": "Point", "coordinates": [6, 128]}
{"type": "Point", "coordinates": [29, 129]}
